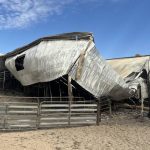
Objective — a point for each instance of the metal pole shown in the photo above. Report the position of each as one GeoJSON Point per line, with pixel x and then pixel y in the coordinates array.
{"type": "Point", "coordinates": [60, 91]}
{"type": "Point", "coordinates": [4, 80]}
{"type": "Point", "coordinates": [38, 113]}
{"type": "Point", "coordinates": [98, 112]}
{"type": "Point", "coordinates": [5, 118]}
{"type": "Point", "coordinates": [70, 99]}
{"type": "Point", "coordinates": [142, 107]}
{"type": "Point", "coordinates": [50, 91]}
{"type": "Point", "coordinates": [110, 110]}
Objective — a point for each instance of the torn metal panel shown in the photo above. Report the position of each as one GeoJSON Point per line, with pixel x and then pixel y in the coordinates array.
{"type": "Point", "coordinates": [99, 78]}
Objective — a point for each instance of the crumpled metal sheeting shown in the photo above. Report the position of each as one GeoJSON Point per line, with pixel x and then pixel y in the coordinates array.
{"type": "Point", "coordinates": [50, 60]}
{"type": "Point", "coordinates": [130, 68]}
{"type": "Point", "coordinates": [98, 77]}
{"type": "Point", "coordinates": [47, 61]}
{"type": "Point", "coordinates": [144, 88]}
{"type": "Point", "coordinates": [118, 92]}
{"type": "Point", "coordinates": [125, 66]}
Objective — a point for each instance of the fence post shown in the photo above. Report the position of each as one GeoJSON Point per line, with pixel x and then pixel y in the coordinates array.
{"type": "Point", "coordinates": [98, 112]}
{"type": "Point", "coordinates": [5, 118]}
{"type": "Point", "coordinates": [70, 99]}
{"type": "Point", "coordinates": [38, 113]}
{"type": "Point", "coordinates": [69, 117]}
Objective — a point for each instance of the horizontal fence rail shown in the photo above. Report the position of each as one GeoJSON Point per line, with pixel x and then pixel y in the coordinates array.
{"type": "Point", "coordinates": [21, 113]}
{"type": "Point", "coordinates": [80, 112]}
{"type": "Point", "coordinates": [18, 115]}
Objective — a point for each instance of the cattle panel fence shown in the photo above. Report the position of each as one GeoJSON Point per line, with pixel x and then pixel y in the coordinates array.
{"type": "Point", "coordinates": [23, 113]}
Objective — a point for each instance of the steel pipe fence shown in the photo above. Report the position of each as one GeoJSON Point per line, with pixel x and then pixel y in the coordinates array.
{"type": "Point", "coordinates": [23, 113]}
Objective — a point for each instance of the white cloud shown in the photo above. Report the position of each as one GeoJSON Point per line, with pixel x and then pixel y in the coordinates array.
{"type": "Point", "coordinates": [21, 13]}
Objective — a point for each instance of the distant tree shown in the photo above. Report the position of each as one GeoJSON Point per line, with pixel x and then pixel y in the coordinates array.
{"type": "Point", "coordinates": [138, 55]}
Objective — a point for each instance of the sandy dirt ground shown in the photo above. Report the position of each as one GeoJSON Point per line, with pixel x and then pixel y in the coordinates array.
{"type": "Point", "coordinates": [124, 131]}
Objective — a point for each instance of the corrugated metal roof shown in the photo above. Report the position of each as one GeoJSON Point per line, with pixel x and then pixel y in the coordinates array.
{"type": "Point", "coordinates": [64, 36]}
{"type": "Point", "coordinates": [125, 66]}
{"type": "Point", "coordinates": [136, 56]}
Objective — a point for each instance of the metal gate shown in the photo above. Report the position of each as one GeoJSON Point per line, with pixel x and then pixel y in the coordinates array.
{"type": "Point", "coordinates": [46, 114]}
{"type": "Point", "coordinates": [18, 115]}
{"type": "Point", "coordinates": [54, 114]}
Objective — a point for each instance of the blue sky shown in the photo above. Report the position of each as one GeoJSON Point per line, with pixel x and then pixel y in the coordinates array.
{"type": "Point", "coordinates": [120, 27]}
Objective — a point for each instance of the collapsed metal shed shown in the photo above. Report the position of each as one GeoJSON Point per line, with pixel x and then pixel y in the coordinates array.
{"type": "Point", "coordinates": [135, 71]}
{"type": "Point", "coordinates": [74, 54]}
